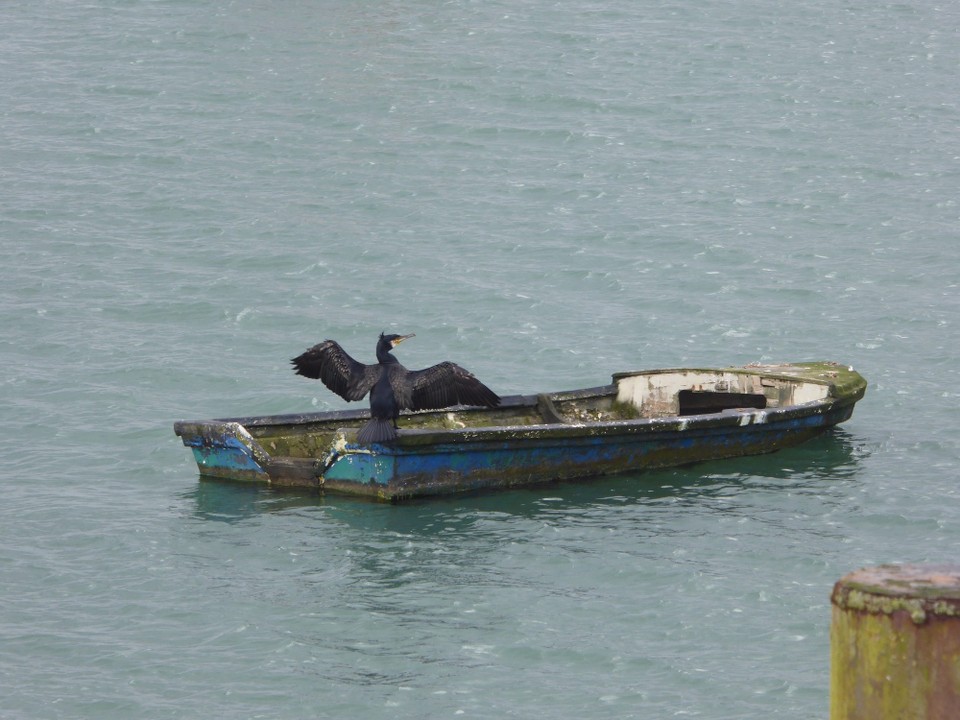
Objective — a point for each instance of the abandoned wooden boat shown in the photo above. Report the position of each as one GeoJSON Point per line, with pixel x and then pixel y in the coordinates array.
{"type": "Point", "coordinates": [646, 419]}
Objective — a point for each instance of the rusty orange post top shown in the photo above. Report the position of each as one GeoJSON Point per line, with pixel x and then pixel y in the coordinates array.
{"type": "Point", "coordinates": [921, 590]}
{"type": "Point", "coordinates": [895, 644]}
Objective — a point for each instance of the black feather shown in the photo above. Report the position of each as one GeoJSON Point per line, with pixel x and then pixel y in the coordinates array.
{"type": "Point", "coordinates": [447, 384]}
{"type": "Point", "coordinates": [376, 431]}
{"type": "Point", "coordinates": [391, 386]}
{"type": "Point", "coordinates": [331, 364]}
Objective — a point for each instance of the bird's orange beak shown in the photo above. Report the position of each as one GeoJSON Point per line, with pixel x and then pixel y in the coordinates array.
{"type": "Point", "coordinates": [400, 339]}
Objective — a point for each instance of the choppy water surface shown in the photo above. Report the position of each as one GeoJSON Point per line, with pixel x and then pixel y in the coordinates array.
{"type": "Point", "coordinates": [192, 193]}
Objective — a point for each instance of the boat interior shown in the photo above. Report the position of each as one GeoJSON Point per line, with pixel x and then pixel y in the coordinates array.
{"type": "Point", "coordinates": [649, 394]}
{"type": "Point", "coordinates": [667, 393]}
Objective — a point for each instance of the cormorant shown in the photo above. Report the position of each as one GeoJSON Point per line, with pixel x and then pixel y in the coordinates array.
{"type": "Point", "coordinates": [391, 386]}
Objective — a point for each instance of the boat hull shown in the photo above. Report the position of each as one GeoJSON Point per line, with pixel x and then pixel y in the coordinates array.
{"type": "Point", "coordinates": [432, 461]}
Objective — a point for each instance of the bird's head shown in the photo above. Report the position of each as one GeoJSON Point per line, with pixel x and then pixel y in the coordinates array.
{"type": "Point", "coordinates": [391, 341]}
{"type": "Point", "coordinates": [386, 343]}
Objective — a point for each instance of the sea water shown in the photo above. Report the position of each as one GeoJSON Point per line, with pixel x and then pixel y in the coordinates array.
{"type": "Point", "coordinates": [546, 193]}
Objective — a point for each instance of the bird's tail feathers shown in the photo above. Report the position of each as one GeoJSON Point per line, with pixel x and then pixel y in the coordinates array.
{"type": "Point", "coordinates": [376, 431]}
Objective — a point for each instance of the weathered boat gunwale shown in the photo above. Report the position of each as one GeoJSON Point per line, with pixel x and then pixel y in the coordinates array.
{"type": "Point", "coordinates": [430, 460]}
{"type": "Point", "coordinates": [508, 402]}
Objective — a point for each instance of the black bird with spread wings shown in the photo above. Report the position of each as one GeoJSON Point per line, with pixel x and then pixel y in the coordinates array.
{"type": "Point", "coordinates": [391, 386]}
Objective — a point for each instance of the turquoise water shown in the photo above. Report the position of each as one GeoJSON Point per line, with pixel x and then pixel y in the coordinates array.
{"type": "Point", "coordinates": [191, 193]}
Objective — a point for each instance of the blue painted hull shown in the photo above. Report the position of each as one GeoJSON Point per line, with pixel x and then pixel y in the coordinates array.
{"type": "Point", "coordinates": [397, 472]}
{"type": "Point", "coordinates": [434, 460]}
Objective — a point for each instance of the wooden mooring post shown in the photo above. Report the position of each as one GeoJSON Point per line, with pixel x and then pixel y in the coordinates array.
{"type": "Point", "coordinates": [895, 644]}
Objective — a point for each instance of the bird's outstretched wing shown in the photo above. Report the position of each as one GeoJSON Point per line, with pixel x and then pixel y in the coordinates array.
{"type": "Point", "coordinates": [331, 364]}
{"type": "Point", "coordinates": [444, 385]}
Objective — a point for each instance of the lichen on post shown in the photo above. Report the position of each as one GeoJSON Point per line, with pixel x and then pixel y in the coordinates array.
{"type": "Point", "coordinates": [895, 644]}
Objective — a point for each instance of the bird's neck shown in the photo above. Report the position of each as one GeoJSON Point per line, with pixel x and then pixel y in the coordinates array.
{"type": "Point", "coordinates": [384, 357]}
